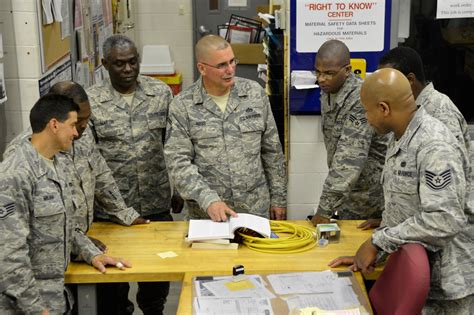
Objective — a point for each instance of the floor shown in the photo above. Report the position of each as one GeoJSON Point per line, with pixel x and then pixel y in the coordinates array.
{"type": "Point", "coordinates": [171, 306]}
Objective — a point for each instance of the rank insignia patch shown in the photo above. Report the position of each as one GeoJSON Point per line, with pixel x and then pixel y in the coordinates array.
{"type": "Point", "coordinates": [438, 181]}
{"type": "Point", "coordinates": [7, 210]}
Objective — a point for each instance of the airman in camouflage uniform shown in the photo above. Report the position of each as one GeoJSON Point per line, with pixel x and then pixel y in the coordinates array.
{"type": "Point", "coordinates": [36, 220]}
{"type": "Point", "coordinates": [128, 121]}
{"type": "Point", "coordinates": [130, 139]}
{"type": "Point", "coordinates": [355, 154]}
{"type": "Point", "coordinates": [426, 186]}
{"type": "Point", "coordinates": [91, 178]}
{"type": "Point", "coordinates": [408, 61]}
{"type": "Point", "coordinates": [232, 156]}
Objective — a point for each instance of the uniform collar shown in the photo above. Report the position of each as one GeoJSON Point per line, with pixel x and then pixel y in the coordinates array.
{"type": "Point", "coordinates": [108, 93]}
{"type": "Point", "coordinates": [424, 94]}
{"type": "Point", "coordinates": [352, 82]}
{"type": "Point", "coordinates": [404, 141]}
{"type": "Point", "coordinates": [38, 166]}
{"type": "Point", "coordinates": [199, 92]}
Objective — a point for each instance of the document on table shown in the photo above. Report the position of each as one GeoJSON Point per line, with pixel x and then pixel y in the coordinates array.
{"type": "Point", "coordinates": [240, 306]}
{"type": "Point", "coordinates": [307, 282]}
{"type": "Point", "coordinates": [251, 286]}
{"type": "Point", "coordinates": [345, 298]}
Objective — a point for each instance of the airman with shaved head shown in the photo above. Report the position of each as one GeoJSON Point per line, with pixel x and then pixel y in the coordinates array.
{"type": "Point", "coordinates": [426, 187]}
{"type": "Point", "coordinates": [355, 153]}
{"type": "Point", "coordinates": [222, 146]}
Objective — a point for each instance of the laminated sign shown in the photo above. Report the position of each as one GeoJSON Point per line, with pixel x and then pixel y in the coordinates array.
{"type": "Point", "coordinates": [359, 24]}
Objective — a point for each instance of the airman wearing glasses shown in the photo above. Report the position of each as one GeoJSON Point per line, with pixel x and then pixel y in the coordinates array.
{"type": "Point", "coordinates": [355, 154]}
{"type": "Point", "coordinates": [222, 147]}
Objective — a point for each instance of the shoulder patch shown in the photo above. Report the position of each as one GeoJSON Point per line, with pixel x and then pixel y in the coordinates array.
{"type": "Point", "coordinates": [439, 181]}
{"type": "Point", "coordinates": [7, 210]}
{"type": "Point", "coordinates": [357, 122]}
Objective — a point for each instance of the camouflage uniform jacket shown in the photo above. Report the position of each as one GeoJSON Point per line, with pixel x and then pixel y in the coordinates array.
{"type": "Point", "coordinates": [426, 184]}
{"type": "Point", "coordinates": [442, 108]}
{"type": "Point", "coordinates": [37, 233]}
{"type": "Point", "coordinates": [92, 182]}
{"type": "Point", "coordinates": [234, 156]}
{"type": "Point", "coordinates": [355, 156]}
{"type": "Point", "coordinates": [130, 139]}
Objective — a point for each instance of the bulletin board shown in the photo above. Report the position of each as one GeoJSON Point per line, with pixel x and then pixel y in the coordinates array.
{"type": "Point", "coordinates": [306, 102]}
{"type": "Point", "coordinates": [54, 48]}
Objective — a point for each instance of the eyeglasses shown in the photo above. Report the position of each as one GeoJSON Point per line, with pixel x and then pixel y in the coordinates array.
{"type": "Point", "coordinates": [224, 65]}
{"type": "Point", "coordinates": [329, 74]}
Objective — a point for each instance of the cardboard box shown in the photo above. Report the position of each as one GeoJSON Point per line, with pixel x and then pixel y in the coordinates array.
{"type": "Point", "coordinates": [249, 54]}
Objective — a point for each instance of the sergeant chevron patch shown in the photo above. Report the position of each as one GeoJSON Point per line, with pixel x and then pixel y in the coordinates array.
{"type": "Point", "coordinates": [357, 122]}
{"type": "Point", "coordinates": [438, 181]}
{"type": "Point", "coordinates": [7, 210]}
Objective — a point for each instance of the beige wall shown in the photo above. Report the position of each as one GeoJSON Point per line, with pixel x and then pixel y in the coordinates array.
{"type": "Point", "coordinates": [156, 22]}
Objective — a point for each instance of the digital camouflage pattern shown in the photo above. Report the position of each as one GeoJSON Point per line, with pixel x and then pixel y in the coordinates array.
{"type": "Point", "coordinates": [92, 182]}
{"type": "Point", "coordinates": [38, 236]}
{"type": "Point", "coordinates": [130, 139]}
{"type": "Point", "coordinates": [355, 156]}
{"type": "Point", "coordinates": [234, 156]}
{"type": "Point", "coordinates": [426, 187]}
{"type": "Point", "coordinates": [442, 108]}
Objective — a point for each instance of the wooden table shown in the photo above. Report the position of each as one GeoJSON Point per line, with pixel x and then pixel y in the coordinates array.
{"type": "Point", "coordinates": [140, 244]}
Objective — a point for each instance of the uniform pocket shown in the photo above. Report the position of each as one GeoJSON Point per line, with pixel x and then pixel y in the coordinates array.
{"type": "Point", "coordinates": [108, 129]}
{"type": "Point", "coordinates": [251, 134]}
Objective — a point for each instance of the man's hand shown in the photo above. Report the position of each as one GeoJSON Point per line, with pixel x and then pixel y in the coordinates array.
{"type": "Point", "coordinates": [317, 219]}
{"type": "Point", "coordinates": [99, 244]}
{"type": "Point", "coordinates": [100, 261]}
{"type": "Point", "coordinates": [218, 211]}
{"type": "Point", "coordinates": [364, 259]}
{"type": "Point", "coordinates": [140, 220]}
{"type": "Point", "coordinates": [343, 260]}
{"type": "Point", "coordinates": [277, 213]}
{"type": "Point", "coordinates": [370, 224]}
{"type": "Point", "coordinates": [45, 312]}
{"type": "Point", "coordinates": [177, 204]}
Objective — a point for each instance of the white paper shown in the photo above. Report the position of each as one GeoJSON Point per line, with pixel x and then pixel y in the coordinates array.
{"type": "Point", "coordinates": [66, 22]}
{"type": "Point", "coordinates": [302, 79]}
{"type": "Point", "coordinates": [169, 254]}
{"type": "Point", "coordinates": [307, 282]}
{"type": "Point", "coordinates": [451, 9]}
{"type": "Point", "coordinates": [237, 3]}
{"type": "Point", "coordinates": [3, 91]}
{"type": "Point", "coordinates": [58, 10]}
{"type": "Point", "coordinates": [340, 300]}
{"type": "Point", "coordinates": [239, 36]}
{"type": "Point", "coordinates": [47, 12]}
{"type": "Point", "coordinates": [240, 306]}
{"type": "Point", "coordinates": [1, 45]}
{"type": "Point", "coordinates": [220, 290]}
{"type": "Point", "coordinates": [202, 291]}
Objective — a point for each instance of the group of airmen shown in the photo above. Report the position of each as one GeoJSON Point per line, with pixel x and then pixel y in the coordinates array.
{"type": "Point", "coordinates": [126, 151]}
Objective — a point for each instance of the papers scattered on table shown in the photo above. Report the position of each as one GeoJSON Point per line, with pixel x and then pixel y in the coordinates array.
{"type": "Point", "coordinates": [318, 311]}
{"type": "Point", "coordinates": [307, 282]}
{"type": "Point", "coordinates": [304, 293]}
{"type": "Point", "coordinates": [224, 287]}
{"type": "Point", "coordinates": [219, 306]}
{"type": "Point", "coordinates": [221, 295]}
{"type": "Point", "coordinates": [169, 254]}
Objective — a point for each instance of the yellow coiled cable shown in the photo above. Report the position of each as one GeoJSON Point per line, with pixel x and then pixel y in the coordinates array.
{"type": "Point", "coordinates": [293, 238]}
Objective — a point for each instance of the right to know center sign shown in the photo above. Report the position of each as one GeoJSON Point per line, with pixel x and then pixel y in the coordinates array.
{"type": "Point", "coordinates": [359, 24]}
